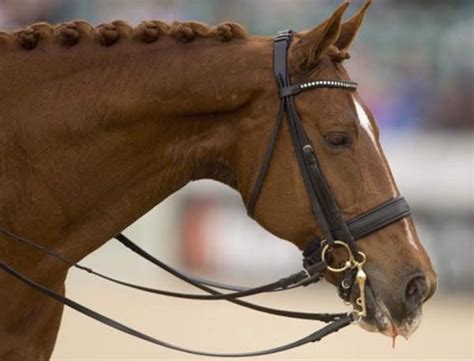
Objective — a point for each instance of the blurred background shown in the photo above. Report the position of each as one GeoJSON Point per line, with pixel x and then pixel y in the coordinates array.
{"type": "Point", "coordinates": [414, 61]}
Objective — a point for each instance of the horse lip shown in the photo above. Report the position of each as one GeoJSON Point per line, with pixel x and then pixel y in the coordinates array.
{"type": "Point", "coordinates": [383, 320]}
{"type": "Point", "coordinates": [378, 316]}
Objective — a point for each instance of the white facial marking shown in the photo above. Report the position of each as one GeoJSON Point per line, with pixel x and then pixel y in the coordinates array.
{"type": "Point", "coordinates": [365, 123]}
{"type": "Point", "coordinates": [409, 234]}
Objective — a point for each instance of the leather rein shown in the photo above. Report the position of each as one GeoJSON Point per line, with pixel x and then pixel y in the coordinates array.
{"type": "Point", "coordinates": [337, 232]}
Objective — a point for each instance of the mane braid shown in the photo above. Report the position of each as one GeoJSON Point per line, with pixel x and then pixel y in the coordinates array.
{"type": "Point", "coordinates": [71, 33]}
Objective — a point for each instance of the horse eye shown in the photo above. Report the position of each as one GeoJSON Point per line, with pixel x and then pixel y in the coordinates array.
{"type": "Point", "coordinates": [337, 139]}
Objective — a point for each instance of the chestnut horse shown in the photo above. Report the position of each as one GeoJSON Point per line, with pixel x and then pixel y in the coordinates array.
{"type": "Point", "coordinates": [99, 125]}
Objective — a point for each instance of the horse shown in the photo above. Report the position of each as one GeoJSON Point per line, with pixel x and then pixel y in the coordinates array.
{"type": "Point", "coordinates": [98, 125]}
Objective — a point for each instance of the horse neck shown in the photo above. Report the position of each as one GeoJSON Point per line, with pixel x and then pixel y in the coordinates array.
{"type": "Point", "coordinates": [107, 133]}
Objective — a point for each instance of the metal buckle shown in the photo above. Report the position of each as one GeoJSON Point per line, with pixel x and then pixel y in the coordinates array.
{"type": "Point", "coordinates": [356, 317]}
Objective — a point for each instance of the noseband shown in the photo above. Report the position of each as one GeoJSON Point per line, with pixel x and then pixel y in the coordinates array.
{"type": "Point", "coordinates": [336, 231]}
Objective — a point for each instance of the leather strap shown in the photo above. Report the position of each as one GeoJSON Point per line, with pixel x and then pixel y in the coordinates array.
{"type": "Point", "coordinates": [297, 132]}
{"type": "Point", "coordinates": [315, 270]}
{"type": "Point", "coordinates": [324, 317]}
{"type": "Point", "coordinates": [326, 211]}
{"type": "Point", "coordinates": [286, 283]}
{"type": "Point", "coordinates": [379, 217]}
{"type": "Point", "coordinates": [313, 337]}
{"type": "Point", "coordinates": [265, 163]}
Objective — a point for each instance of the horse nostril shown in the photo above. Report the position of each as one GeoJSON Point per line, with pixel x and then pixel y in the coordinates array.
{"type": "Point", "coordinates": [415, 292]}
{"type": "Point", "coordinates": [412, 289]}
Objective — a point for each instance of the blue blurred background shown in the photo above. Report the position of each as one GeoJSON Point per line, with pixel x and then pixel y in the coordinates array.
{"type": "Point", "coordinates": [414, 61]}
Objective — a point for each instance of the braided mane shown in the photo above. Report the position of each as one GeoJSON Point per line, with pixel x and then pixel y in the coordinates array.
{"type": "Point", "coordinates": [71, 33]}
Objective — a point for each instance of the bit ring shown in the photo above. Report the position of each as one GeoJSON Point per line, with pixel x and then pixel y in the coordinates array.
{"type": "Point", "coordinates": [363, 257]}
{"type": "Point", "coordinates": [348, 264]}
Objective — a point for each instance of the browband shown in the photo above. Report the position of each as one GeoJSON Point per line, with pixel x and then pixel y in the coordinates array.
{"type": "Point", "coordinates": [298, 88]}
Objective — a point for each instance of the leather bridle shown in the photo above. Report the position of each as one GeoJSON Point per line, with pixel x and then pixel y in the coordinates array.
{"type": "Point", "coordinates": [323, 205]}
{"type": "Point", "coordinates": [336, 231]}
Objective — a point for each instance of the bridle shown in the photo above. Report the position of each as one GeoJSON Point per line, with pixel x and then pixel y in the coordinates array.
{"type": "Point", "coordinates": [337, 233]}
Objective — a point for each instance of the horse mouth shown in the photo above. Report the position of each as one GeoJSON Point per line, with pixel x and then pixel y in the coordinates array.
{"type": "Point", "coordinates": [379, 318]}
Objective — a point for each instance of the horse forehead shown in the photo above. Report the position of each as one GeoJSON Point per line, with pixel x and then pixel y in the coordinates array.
{"type": "Point", "coordinates": [330, 106]}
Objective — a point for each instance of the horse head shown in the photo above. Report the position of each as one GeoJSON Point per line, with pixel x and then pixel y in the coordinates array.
{"type": "Point", "coordinates": [345, 137]}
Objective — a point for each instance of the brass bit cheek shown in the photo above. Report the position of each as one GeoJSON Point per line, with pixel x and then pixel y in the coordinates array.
{"type": "Point", "coordinates": [361, 279]}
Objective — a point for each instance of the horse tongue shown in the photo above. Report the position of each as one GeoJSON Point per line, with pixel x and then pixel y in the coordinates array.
{"type": "Point", "coordinates": [394, 335]}
{"type": "Point", "coordinates": [394, 338]}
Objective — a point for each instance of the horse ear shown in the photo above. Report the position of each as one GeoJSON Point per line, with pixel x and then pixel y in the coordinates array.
{"type": "Point", "coordinates": [350, 28]}
{"type": "Point", "coordinates": [309, 50]}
